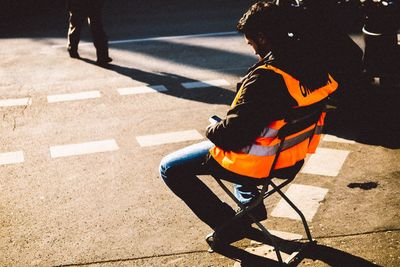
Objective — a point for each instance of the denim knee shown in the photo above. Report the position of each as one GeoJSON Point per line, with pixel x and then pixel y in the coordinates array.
{"type": "Point", "coordinates": [163, 168]}
{"type": "Point", "coordinates": [168, 169]}
{"type": "Point", "coordinates": [183, 162]}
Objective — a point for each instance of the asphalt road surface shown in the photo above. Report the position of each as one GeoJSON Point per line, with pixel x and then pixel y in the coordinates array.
{"type": "Point", "coordinates": [80, 145]}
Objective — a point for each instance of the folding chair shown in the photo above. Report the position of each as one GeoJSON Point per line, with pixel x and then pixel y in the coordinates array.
{"type": "Point", "coordinates": [291, 127]}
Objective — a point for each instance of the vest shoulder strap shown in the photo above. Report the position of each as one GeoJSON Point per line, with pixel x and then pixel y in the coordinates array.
{"type": "Point", "coordinates": [302, 95]}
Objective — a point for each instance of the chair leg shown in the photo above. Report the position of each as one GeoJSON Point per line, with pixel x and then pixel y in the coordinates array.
{"type": "Point", "coordinates": [269, 236]}
{"type": "Point", "coordinates": [303, 219]}
{"type": "Point", "coordinates": [212, 239]}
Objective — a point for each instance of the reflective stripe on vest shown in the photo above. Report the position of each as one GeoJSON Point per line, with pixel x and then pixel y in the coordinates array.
{"type": "Point", "coordinates": [256, 159]}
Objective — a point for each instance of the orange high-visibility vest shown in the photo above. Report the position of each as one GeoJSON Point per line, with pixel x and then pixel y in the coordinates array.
{"type": "Point", "coordinates": [256, 159]}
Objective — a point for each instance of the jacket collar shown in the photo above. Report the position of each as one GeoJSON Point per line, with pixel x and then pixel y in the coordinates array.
{"type": "Point", "coordinates": [267, 60]}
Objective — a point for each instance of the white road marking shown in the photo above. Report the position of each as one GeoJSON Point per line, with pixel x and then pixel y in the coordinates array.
{"type": "Point", "coordinates": [73, 96]}
{"type": "Point", "coordinates": [307, 198]}
{"type": "Point", "coordinates": [202, 84]}
{"type": "Point", "coordinates": [267, 251]}
{"type": "Point", "coordinates": [332, 138]}
{"type": "Point", "coordinates": [162, 38]}
{"type": "Point", "coordinates": [280, 234]}
{"type": "Point", "coordinates": [325, 162]}
{"type": "Point", "coordinates": [11, 157]}
{"type": "Point", "coordinates": [83, 148]}
{"type": "Point", "coordinates": [15, 102]}
{"type": "Point", "coordinates": [166, 138]}
{"type": "Point", "coordinates": [142, 90]}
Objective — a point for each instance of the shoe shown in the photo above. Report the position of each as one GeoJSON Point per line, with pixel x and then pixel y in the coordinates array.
{"type": "Point", "coordinates": [234, 232]}
{"type": "Point", "coordinates": [222, 239]}
{"type": "Point", "coordinates": [74, 54]}
{"type": "Point", "coordinates": [240, 228]}
{"type": "Point", "coordinates": [103, 61]}
{"type": "Point", "coordinates": [259, 213]}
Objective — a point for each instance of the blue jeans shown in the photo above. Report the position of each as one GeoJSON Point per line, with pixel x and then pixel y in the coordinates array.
{"type": "Point", "coordinates": [179, 171]}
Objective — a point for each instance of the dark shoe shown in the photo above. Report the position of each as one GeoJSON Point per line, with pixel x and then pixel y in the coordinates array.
{"type": "Point", "coordinates": [237, 230]}
{"type": "Point", "coordinates": [74, 54]}
{"type": "Point", "coordinates": [259, 212]}
{"type": "Point", "coordinates": [234, 232]}
{"type": "Point", "coordinates": [103, 61]}
{"type": "Point", "coordinates": [242, 226]}
{"type": "Point", "coordinates": [220, 240]}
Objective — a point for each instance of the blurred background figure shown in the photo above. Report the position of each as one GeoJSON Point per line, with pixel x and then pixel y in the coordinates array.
{"type": "Point", "coordinates": [382, 53]}
{"type": "Point", "coordinates": [90, 11]}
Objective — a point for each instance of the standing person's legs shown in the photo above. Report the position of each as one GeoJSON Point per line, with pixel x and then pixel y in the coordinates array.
{"type": "Point", "coordinates": [100, 39]}
{"type": "Point", "coordinates": [74, 32]}
{"type": "Point", "coordinates": [179, 170]}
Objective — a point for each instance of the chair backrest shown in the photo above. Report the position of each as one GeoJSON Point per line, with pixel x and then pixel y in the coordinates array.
{"type": "Point", "coordinates": [296, 124]}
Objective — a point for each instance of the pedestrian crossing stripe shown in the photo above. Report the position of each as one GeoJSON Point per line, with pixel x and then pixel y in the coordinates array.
{"type": "Point", "coordinates": [332, 138]}
{"type": "Point", "coordinates": [307, 198]}
{"type": "Point", "coordinates": [268, 251]}
{"type": "Point", "coordinates": [166, 138]}
{"type": "Point", "coordinates": [83, 148]}
{"type": "Point", "coordinates": [15, 102]}
{"type": "Point", "coordinates": [203, 84]}
{"type": "Point", "coordinates": [73, 96]}
{"type": "Point", "coordinates": [280, 234]}
{"type": "Point", "coordinates": [142, 90]}
{"type": "Point", "coordinates": [11, 157]}
{"type": "Point", "coordinates": [326, 162]}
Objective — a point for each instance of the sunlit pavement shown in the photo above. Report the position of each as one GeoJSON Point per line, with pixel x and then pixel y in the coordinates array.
{"type": "Point", "coordinates": [80, 148]}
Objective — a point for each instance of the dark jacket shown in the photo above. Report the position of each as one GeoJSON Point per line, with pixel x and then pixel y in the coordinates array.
{"type": "Point", "coordinates": [264, 99]}
{"type": "Point", "coordinates": [85, 7]}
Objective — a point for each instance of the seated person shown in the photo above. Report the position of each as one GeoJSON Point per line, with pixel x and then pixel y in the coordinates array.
{"type": "Point", "coordinates": [241, 147]}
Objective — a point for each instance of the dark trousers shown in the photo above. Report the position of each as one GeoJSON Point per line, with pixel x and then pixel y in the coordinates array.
{"type": "Point", "coordinates": [80, 12]}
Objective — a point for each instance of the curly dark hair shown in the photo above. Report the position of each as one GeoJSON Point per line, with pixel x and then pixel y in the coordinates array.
{"type": "Point", "coordinates": [263, 17]}
{"type": "Point", "coordinates": [296, 54]}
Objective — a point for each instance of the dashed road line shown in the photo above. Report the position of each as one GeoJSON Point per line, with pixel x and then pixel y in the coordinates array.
{"type": "Point", "coordinates": [142, 90]}
{"type": "Point", "coordinates": [203, 84]}
{"type": "Point", "coordinates": [11, 157]}
{"type": "Point", "coordinates": [162, 38]}
{"type": "Point", "coordinates": [15, 102]}
{"type": "Point", "coordinates": [166, 138]}
{"type": "Point", "coordinates": [83, 148]}
{"type": "Point", "coordinates": [332, 138]}
{"type": "Point", "coordinates": [325, 161]}
{"type": "Point", "coordinates": [73, 96]}
{"type": "Point", "coordinates": [307, 198]}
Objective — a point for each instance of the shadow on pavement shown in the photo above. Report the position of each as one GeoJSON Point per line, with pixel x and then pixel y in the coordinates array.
{"type": "Point", "coordinates": [211, 95]}
{"type": "Point", "coordinates": [197, 56]}
{"type": "Point", "coordinates": [312, 251]}
{"type": "Point", "coordinates": [334, 257]}
{"type": "Point", "coordinates": [368, 115]}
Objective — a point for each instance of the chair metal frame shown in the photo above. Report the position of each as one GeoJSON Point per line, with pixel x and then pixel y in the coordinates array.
{"type": "Point", "coordinates": [290, 128]}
